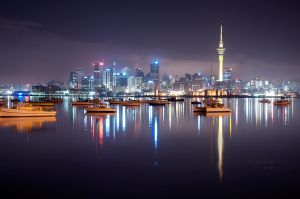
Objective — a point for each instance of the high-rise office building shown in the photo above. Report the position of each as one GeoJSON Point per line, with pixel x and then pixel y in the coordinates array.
{"type": "Point", "coordinates": [139, 72]}
{"type": "Point", "coordinates": [87, 82]}
{"type": "Point", "coordinates": [227, 74]}
{"type": "Point", "coordinates": [98, 74]}
{"type": "Point", "coordinates": [73, 78]}
{"type": "Point", "coordinates": [154, 75]}
{"type": "Point", "coordinates": [139, 78]}
{"type": "Point", "coordinates": [109, 79]}
{"type": "Point", "coordinates": [79, 75]}
{"type": "Point", "coordinates": [221, 51]}
{"type": "Point", "coordinates": [121, 82]}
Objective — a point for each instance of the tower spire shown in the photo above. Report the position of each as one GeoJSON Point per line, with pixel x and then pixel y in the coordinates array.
{"type": "Point", "coordinates": [221, 32]}
{"type": "Point", "coordinates": [221, 51]}
{"type": "Point", "coordinates": [221, 37]}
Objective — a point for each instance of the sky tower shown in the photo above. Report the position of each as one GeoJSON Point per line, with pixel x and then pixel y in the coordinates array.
{"type": "Point", "coordinates": [221, 51]}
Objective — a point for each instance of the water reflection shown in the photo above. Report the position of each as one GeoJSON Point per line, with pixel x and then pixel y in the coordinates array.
{"type": "Point", "coordinates": [220, 147]}
{"type": "Point", "coordinates": [26, 124]}
{"type": "Point", "coordinates": [261, 114]}
{"type": "Point", "coordinates": [179, 118]}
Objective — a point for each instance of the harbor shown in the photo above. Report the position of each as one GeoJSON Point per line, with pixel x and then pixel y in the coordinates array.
{"type": "Point", "coordinates": [154, 133]}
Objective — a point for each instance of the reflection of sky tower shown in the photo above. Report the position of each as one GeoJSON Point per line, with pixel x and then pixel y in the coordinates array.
{"type": "Point", "coordinates": [221, 51]}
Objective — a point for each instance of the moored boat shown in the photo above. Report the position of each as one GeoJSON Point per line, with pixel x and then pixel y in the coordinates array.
{"type": "Point", "coordinates": [264, 100]}
{"type": "Point", "coordinates": [100, 109]}
{"type": "Point", "coordinates": [211, 109]}
{"type": "Point", "coordinates": [115, 101]}
{"type": "Point", "coordinates": [26, 110]}
{"type": "Point", "coordinates": [158, 102]}
{"type": "Point", "coordinates": [132, 103]}
{"type": "Point", "coordinates": [213, 114]}
{"type": "Point", "coordinates": [282, 102]}
{"type": "Point", "coordinates": [41, 103]}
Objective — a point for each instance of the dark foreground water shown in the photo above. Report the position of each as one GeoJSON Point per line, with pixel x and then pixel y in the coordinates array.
{"type": "Point", "coordinates": [154, 152]}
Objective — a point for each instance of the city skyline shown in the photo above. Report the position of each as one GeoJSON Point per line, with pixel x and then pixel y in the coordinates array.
{"type": "Point", "coordinates": [34, 48]}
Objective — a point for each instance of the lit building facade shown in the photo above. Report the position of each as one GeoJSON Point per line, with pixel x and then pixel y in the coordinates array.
{"type": "Point", "coordinates": [109, 79]}
{"type": "Point", "coordinates": [227, 74]}
{"type": "Point", "coordinates": [98, 74]}
{"type": "Point", "coordinates": [154, 75]}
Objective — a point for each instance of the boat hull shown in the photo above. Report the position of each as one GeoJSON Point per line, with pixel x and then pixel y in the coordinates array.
{"type": "Point", "coordinates": [213, 114]}
{"type": "Point", "coordinates": [6, 112]}
{"type": "Point", "coordinates": [265, 102]}
{"type": "Point", "coordinates": [101, 110]}
{"type": "Point", "coordinates": [131, 104]}
{"type": "Point", "coordinates": [211, 109]}
{"type": "Point", "coordinates": [81, 103]}
{"type": "Point", "coordinates": [158, 103]}
{"type": "Point", "coordinates": [282, 103]}
{"type": "Point", "coordinates": [41, 103]}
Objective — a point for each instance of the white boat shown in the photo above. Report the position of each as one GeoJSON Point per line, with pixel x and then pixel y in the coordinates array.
{"type": "Point", "coordinates": [100, 109]}
{"type": "Point", "coordinates": [25, 110]}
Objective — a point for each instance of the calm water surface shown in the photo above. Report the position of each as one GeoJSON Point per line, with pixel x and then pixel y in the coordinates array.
{"type": "Point", "coordinates": [154, 151]}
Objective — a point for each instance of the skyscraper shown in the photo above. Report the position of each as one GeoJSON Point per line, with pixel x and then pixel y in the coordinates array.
{"type": "Point", "coordinates": [98, 74]}
{"type": "Point", "coordinates": [154, 75]}
{"type": "Point", "coordinates": [109, 78]}
{"type": "Point", "coordinates": [79, 75]}
{"type": "Point", "coordinates": [227, 73]}
{"type": "Point", "coordinates": [139, 78]}
{"type": "Point", "coordinates": [221, 51]}
{"type": "Point", "coordinates": [73, 78]}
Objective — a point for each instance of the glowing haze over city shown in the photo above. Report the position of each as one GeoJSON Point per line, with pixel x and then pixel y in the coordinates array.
{"type": "Point", "coordinates": [44, 40]}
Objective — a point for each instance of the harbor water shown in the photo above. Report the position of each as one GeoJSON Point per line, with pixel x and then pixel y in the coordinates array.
{"type": "Point", "coordinates": [154, 151]}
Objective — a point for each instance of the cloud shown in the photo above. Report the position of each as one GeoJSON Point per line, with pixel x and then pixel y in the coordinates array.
{"type": "Point", "coordinates": [31, 53]}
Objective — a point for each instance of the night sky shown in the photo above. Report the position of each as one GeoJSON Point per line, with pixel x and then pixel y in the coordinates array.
{"type": "Point", "coordinates": [45, 40]}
